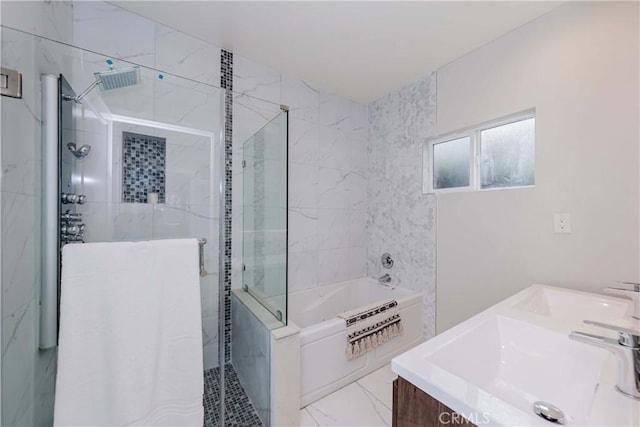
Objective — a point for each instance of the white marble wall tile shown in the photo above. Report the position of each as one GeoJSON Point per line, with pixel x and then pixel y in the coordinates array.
{"type": "Point", "coordinates": [332, 266]}
{"type": "Point", "coordinates": [17, 375]}
{"type": "Point", "coordinates": [335, 111]}
{"type": "Point", "coordinates": [98, 217]}
{"type": "Point", "coordinates": [359, 120]}
{"type": "Point", "coordinates": [187, 104]}
{"type": "Point", "coordinates": [210, 341]}
{"type": "Point", "coordinates": [251, 356]}
{"type": "Point", "coordinates": [110, 30]}
{"type": "Point", "coordinates": [21, 134]}
{"type": "Point", "coordinates": [20, 253]}
{"type": "Point", "coordinates": [357, 187]}
{"type": "Point", "coordinates": [303, 141]}
{"type": "Point", "coordinates": [357, 227]}
{"type": "Point", "coordinates": [334, 148]}
{"type": "Point", "coordinates": [357, 262]}
{"type": "Point", "coordinates": [51, 19]}
{"type": "Point", "coordinates": [303, 270]}
{"type": "Point", "coordinates": [401, 220]}
{"type": "Point", "coordinates": [45, 374]}
{"type": "Point", "coordinates": [333, 228]}
{"type": "Point", "coordinates": [133, 222]}
{"type": "Point", "coordinates": [183, 55]}
{"type": "Point", "coordinates": [303, 229]}
{"type": "Point", "coordinates": [255, 80]}
{"type": "Point", "coordinates": [303, 99]}
{"type": "Point", "coordinates": [303, 185]}
{"type": "Point", "coordinates": [333, 191]}
{"type": "Point", "coordinates": [358, 156]}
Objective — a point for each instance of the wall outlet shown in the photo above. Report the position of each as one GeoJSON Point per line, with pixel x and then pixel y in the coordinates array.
{"type": "Point", "coordinates": [562, 223]}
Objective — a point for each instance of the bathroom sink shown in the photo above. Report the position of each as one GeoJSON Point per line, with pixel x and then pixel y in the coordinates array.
{"type": "Point", "coordinates": [521, 363]}
{"type": "Point", "coordinates": [573, 306]}
{"type": "Point", "coordinates": [494, 366]}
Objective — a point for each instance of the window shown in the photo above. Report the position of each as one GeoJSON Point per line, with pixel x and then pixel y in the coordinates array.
{"type": "Point", "coordinates": [498, 154]}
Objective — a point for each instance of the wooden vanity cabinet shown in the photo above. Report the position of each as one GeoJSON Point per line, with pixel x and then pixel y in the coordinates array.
{"type": "Point", "coordinates": [413, 407]}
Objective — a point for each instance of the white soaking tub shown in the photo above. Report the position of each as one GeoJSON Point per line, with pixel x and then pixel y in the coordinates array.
{"type": "Point", "coordinates": [323, 336]}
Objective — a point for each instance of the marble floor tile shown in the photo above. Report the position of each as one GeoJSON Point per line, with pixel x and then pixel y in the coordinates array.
{"type": "Point", "coordinates": [380, 384]}
{"type": "Point", "coordinates": [353, 406]}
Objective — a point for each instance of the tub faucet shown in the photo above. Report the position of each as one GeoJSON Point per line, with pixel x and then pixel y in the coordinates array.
{"type": "Point", "coordinates": [385, 279]}
{"type": "Point", "coordinates": [633, 293]}
{"type": "Point", "coordinates": [627, 351]}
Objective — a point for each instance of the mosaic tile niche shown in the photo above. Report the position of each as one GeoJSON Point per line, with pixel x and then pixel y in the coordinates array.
{"type": "Point", "coordinates": [144, 158]}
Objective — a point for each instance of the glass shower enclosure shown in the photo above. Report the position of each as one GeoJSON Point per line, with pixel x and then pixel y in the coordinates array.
{"type": "Point", "coordinates": [140, 162]}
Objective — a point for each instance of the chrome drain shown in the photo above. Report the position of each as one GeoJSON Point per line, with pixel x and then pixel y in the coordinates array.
{"type": "Point", "coordinates": [548, 412]}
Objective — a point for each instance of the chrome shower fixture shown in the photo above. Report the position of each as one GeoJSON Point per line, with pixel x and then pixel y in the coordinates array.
{"type": "Point", "coordinates": [110, 79]}
{"type": "Point", "coordinates": [79, 153]}
{"type": "Point", "coordinates": [116, 79]}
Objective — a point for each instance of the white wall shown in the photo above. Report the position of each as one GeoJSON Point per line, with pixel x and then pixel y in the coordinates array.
{"type": "Point", "coordinates": [578, 66]}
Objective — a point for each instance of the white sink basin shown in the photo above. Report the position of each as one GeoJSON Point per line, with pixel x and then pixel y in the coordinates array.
{"type": "Point", "coordinates": [572, 306]}
{"type": "Point", "coordinates": [521, 363]}
{"type": "Point", "coordinates": [492, 367]}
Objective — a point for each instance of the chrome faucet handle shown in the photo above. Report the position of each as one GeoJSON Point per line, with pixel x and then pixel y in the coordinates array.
{"type": "Point", "coordinates": [633, 294]}
{"type": "Point", "coordinates": [626, 337]}
{"type": "Point", "coordinates": [627, 351]}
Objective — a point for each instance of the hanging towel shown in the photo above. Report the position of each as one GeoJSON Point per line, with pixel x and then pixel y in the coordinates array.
{"type": "Point", "coordinates": [130, 346]}
{"type": "Point", "coordinates": [371, 326]}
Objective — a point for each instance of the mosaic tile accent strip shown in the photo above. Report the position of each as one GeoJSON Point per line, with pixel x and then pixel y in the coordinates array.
{"type": "Point", "coordinates": [238, 408]}
{"type": "Point", "coordinates": [226, 82]}
{"type": "Point", "coordinates": [143, 167]}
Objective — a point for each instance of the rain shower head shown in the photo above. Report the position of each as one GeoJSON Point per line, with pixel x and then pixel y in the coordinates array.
{"type": "Point", "coordinates": [111, 79]}
{"type": "Point", "coordinates": [115, 79]}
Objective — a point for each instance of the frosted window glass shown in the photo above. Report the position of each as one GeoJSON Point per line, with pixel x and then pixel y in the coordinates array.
{"type": "Point", "coordinates": [508, 155]}
{"type": "Point", "coordinates": [451, 163]}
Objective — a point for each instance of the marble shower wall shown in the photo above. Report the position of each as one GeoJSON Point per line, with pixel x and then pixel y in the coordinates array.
{"type": "Point", "coordinates": [401, 220]}
{"type": "Point", "coordinates": [27, 372]}
{"type": "Point", "coordinates": [188, 211]}
{"type": "Point", "coordinates": [327, 172]}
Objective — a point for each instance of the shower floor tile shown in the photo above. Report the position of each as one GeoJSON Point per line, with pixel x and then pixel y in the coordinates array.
{"type": "Point", "coordinates": [239, 410]}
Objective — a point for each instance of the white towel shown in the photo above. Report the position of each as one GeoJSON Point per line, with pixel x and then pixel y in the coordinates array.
{"type": "Point", "coordinates": [130, 348]}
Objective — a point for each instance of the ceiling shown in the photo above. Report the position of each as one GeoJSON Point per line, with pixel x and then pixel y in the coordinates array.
{"type": "Point", "coordinates": [359, 49]}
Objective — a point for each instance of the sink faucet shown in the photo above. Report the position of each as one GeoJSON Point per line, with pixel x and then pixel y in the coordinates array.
{"type": "Point", "coordinates": [627, 351]}
{"type": "Point", "coordinates": [633, 294]}
{"type": "Point", "coordinates": [385, 279]}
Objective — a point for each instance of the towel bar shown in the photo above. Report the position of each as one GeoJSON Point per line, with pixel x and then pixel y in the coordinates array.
{"type": "Point", "coordinates": [203, 271]}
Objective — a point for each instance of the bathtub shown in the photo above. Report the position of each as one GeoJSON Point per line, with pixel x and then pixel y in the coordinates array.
{"type": "Point", "coordinates": [323, 338]}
